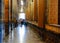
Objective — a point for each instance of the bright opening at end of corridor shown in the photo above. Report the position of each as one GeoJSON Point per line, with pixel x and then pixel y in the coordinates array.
{"type": "Point", "coordinates": [22, 3]}
{"type": "Point", "coordinates": [21, 15]}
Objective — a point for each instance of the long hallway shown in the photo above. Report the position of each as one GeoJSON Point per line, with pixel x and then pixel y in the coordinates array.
{"type": "Point", "coordinates": [23, 34]}
{"type": "Point", "coordinates": [29, 21]}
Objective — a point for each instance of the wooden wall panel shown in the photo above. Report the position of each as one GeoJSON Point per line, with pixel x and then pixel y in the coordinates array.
{"type": "Point", "coordinates": [10, 12]}
{"type": "Point", "coordinates": [35, 11]}
{"type": "Point", "coordinates": [6, 16]}
{"type": "Point", "coordinates": [32, 11]}
{"type": "Point", "coordinates": [6, 10]}
{"type": "Point", "coordinates": [54, 29]}
{"type": "Point", "coordinates": [29, 10]}
{"type": "Point", "coordinates": [15, 11]}
{"type": "Point", "coordinates": [41, 12]}
{"type": "Point", "coordinates": [26, 12]}
{"type": "Point", "coordinates": [53, 12]}
{"type": "Point", "coordinates": [53, 17]}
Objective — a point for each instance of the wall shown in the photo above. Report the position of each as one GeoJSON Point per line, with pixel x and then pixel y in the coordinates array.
{"type": "Point", "coordinates": [35, 11]}
{"type": "Point", "coordinates": [53, 12]}
{"type": "Point", "coordinates": [41, 12]}
{"type": "Point", "coordinates": [32, 11]}
{"type": "Point", "coordinates": [6, 10]}
{"type": "Point", "coordinates": [44, 10]}
{"type": "Point", "coordinates": [54, 29]}
{"type": "Point", "coordinates": [10, 10]}
{"type": "Point", "coordinates": [52, 18]}
{"type": "Point", "coordinates": [28, 11]}
{"type": "Point", "coordinates": [14, 10]}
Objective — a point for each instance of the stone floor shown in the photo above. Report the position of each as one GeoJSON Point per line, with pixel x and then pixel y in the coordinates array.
{"type": "Point", "coordinates": [22, 34]}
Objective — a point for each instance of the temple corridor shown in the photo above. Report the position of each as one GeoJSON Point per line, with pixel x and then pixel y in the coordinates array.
{"type": "Point", "coordinates": [29, 21]}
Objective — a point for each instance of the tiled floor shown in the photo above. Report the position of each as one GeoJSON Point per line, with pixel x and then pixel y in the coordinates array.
{"type": "Point", "coordinates": [22, 34]}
